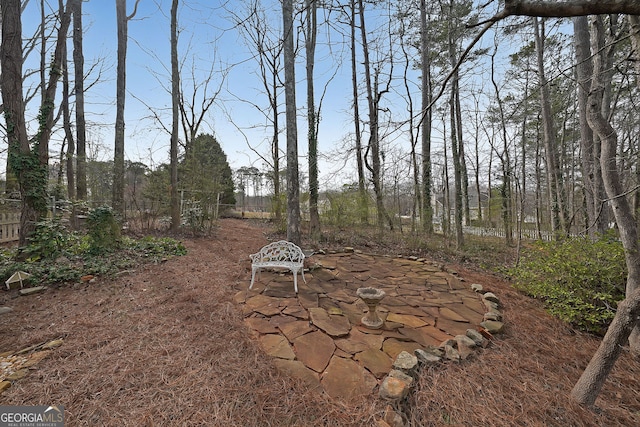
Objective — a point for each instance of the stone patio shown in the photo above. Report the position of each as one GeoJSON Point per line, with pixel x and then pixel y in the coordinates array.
{"type": "Point", "coordinates": [317, 335]}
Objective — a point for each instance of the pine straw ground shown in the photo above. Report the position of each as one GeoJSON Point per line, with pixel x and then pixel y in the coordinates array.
{"type": "Point", "coordinates": [166, 346]}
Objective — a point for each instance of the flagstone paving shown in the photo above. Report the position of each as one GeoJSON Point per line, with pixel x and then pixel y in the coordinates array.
{"type": "Point", "coordinates": [317, 335]}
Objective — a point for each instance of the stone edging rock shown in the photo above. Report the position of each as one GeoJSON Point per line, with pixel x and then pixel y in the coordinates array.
{"type": "Point", "coordinates": [406, 367]}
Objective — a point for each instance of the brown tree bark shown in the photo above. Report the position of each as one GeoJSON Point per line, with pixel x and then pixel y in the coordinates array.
{"type": "Point", "coordinates": [121, 81]}
{"type": "Point", "coordinates": [175, 115]}
{"type": "Point", "coordinates": [312, 119]}
{"type": "Point", "coordinates": [363, 199]}
{"type": "Point", "coordinates": [373, 101]}
{"type": "Point", "coordinates": [568, 8]}
{"type": "Point", "coordinates": [29, 164]}
{"type": "Point", "coordinates": [625, 322]}
{"type": "Point", "coordinates": [293, 190]}
{"type": "Point", "coordinates": [426, 212]}
{"type": "Point", "coordinates": [550, 141]}
{"type": "Point", "coordinates": [81, 133]}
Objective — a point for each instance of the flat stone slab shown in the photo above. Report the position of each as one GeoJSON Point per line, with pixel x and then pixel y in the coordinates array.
{"type": "Point", "coordinates": [31, 291]}
{"type": "Point", "coordinates": [276, 345]}
{"type": "Point", "coordinates": [376, 361]}
{"type": "Point", "coordinates": [407, 319]}
{"type": "Point", "coordinates": [261, 325]}
{"type": "Point", "coordinates": [293, 330]}
{"type": "Point", "coordinates": [346, 379]}
{"type": "Point", "coordinates": [393, 347]}
{"type": "Point", "coordinates": [447, 313]}
{"type": "Point", "coordinates": [437, 333]}
{"type": "Point", "coordinates": [296, 369]}
{"type": "Point", "coordinates": [420, 336]}
{"type": "Point", "coordinates": [314, 350]}
{"type": "Point", "coordinates": [336, 326]}
{"type": "Point", "coordinates": [263, 304]}
{"type": "Point", "coordinates": [323, 275]}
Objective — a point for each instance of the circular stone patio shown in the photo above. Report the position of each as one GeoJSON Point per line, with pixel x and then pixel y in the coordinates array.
{"type": "Point", "coordinates": [317, 335]}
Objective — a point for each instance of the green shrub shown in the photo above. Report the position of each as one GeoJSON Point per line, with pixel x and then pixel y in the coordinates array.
{"type": "Point", "coordinates": [48, 240]}
{"type": "Point", "coordinates": [103, 230]}
{"type": "Point", "coordinates": [580, 281]}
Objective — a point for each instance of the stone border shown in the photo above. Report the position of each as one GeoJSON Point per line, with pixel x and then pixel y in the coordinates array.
{"type": "Point", "coordinates": [405, 369]}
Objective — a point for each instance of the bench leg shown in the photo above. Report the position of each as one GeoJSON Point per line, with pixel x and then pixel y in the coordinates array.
{"type": "Point", "coordinates": [253, 276]}
{"type": "Point", "coordinates": [295, 280]}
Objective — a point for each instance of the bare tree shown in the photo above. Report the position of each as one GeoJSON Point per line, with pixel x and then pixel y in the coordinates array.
{"type": "Point", "coordinates": [293, 191]}
{"type": "Point", "coordinates": [79, 88]}
{"type": "Point", "coordinates": [363, 199]}
{"type": "Point", "coordinates": [175, 116]}
{"type": "Point", "coordinates": [425, 68]}
{"type": "Point", "coordinates": [311, 7]}
{"type": "Point", "coordinates": [268, 53]}
{"type": "Point", "coordinates": [374, 96]}
{"type": "Point", "coordinates": [121, 81]}
{"type": "Point", "coordinates": [29, 164]}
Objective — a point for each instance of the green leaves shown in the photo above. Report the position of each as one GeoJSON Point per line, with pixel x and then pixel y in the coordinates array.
{"type": "Point", "coordinates": [56, 255]}
{"type": "Point", "coordinates": [580, 281]}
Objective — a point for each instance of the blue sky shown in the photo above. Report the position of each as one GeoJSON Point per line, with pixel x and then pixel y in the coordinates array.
{"type": "Point", "coordinates": [206, 37]}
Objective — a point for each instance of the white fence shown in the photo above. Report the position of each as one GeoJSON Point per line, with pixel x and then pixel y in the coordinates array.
{"type": "Point", "coordinates": [499, 232]}
{"type": "Point", "coordinates": [9, 226]}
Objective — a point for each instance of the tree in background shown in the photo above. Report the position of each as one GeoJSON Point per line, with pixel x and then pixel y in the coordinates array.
{"type": "Point", "coordinates": [205, 173]}
{"type": "Point", "coordinates": [293, 190]}
{"type": "Point", "coordinates": [118, 152]}
{"type": "Point", "coordinates": [28, 161]}
{"type": "Point", "coordinates": [175, 105]}
{"type": "Point", "coordinates": [78, 67]}
{"type": "Point", "coordinates": [260, 37]}
{"type": "Point", "coordinates": [313, 117]}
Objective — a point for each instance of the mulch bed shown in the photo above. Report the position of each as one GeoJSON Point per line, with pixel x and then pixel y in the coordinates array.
{"type": "Point", "coordinates": [167, 346]}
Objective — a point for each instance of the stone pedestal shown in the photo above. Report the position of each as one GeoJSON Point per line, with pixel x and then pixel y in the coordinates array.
{"type": "Point", "coordinates": [372, 298]}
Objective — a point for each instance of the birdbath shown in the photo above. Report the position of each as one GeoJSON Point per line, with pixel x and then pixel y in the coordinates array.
{"type": "Point", "coordinates": [371, 297]}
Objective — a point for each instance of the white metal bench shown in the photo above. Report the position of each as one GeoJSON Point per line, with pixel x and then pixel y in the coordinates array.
{"type": "Point", "coordinates": [279, 254]}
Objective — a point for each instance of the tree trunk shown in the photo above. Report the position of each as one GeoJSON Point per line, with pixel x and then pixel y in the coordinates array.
{"type": "Point", "coordinates": [457, 173]}
{"type": "Point", "coordinates": [81, 133]}
{"type": "Point", "coordinates": [293, 191]}
{"type": "Point", "coordinates": [373, 101]}
{"type": "Point", "coordinates": [310, 46]}
{"type": "Point", "coordinates": [634, 30]}
{"type": "Point", "coordinates": [175, 115]}
{"type": "Point", "coordinates": [20, 156]}
{"type": "Point", "coordinates": [584, 71]}
{"type": "Point", "coordinates": [455, 134]}
{"type": "Point", "coordinates": [550, 143]}
{"type": "Point", "coordinates": [505, 163]}
{"type": "Point", "coordinates": [426, 213]}
{"type": "Point", "coordinates": [30, 165]}
{"type": "Point", "coordinates": [121, 81]}
{"type": "Point", "coordinates": [363, 200]}
{"type": "Point", "coordinates": [67, 157]}
{"type": "Point", "coordinates": [625, 324]}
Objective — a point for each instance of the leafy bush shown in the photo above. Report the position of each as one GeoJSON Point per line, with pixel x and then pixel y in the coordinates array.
{"type": "Point", "coordinates": [76, 258]}
{"type": "Point", "coordinates": [104, 230]}
{"type": "Point", "coordinates": [48, 240]}
{"type": "Point", "coordinates": [581, 281]}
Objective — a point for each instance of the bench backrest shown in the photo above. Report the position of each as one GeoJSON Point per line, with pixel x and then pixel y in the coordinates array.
{"type": "Point", "coordinates": [280, 251]}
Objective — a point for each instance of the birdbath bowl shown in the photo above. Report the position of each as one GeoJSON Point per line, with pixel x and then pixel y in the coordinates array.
{"type": "Point", "coordinates": [371, 297]}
